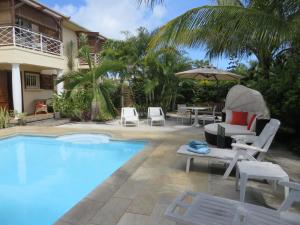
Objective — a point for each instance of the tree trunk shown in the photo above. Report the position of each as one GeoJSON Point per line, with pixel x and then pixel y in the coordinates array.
{"type": "Point", "coordinates": [264, 63]}
{"type": "Point", "coordinates": [265, 68]}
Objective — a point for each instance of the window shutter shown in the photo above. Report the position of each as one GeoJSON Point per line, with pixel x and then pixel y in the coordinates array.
{"type": "Point", "coordinates": [47, 82]}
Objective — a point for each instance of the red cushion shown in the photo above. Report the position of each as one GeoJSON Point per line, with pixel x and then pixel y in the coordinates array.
{"type": "Point", "coordinates": [251, 121]}
{"type": "Point", "coordinates": [239, 118]}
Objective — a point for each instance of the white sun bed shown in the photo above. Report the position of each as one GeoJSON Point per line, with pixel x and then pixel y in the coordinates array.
{"type": "Point", "coordinates": [129, 116]}
{"type": "Point", "coordinates": [156, 115]}
{"type": "Point", "coordinates": [239, 151]}
{"type": "Point", "coordinates": [202, 209]}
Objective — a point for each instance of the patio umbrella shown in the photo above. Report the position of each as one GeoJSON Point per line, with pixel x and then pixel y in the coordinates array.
{"type": "Point", "coordinates": [208, 73]}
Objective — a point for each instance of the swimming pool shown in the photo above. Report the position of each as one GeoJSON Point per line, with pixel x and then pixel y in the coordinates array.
{"type": "Point", "coordinates": [41, 178]}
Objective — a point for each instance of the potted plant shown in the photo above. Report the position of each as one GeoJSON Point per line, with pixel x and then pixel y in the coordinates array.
{"type": "Point", "coordinates": [4, 118]}
{"type": "Point", "coordinates": [21, 118]}
{"type": "Point", "coordinates": [57, 106]}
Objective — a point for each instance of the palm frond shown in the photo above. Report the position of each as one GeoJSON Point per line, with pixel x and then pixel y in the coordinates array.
{"type": "Point", "coordinates": [223, 29]}
{"type": "Point", "coordinates": [230, 2]}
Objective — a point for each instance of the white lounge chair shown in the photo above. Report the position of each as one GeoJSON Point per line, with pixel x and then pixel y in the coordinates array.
{"type": "Point", "coordinates": [129, 115]}
{"type": "Point", "coordinates": [156, 115]}
{"type": "Point", "coordinates": [182, 113]}
{"type": "Point", "coordinates": [240, 151]}
{"type": "Point", "coordinates": [202, 209]}
{"type": "Point", "coordinates": [208, 117]}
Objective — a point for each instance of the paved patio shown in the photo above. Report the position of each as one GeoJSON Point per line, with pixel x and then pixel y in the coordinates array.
{"type": "Point", "coordinates": [139, 192]}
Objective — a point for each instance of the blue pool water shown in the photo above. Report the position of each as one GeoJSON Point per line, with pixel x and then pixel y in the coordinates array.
{"type": "Point", "coordinates": [41, 178]}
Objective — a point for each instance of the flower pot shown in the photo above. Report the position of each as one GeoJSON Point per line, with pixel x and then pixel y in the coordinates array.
{"type": "Point", "coordinates": [57, 115]}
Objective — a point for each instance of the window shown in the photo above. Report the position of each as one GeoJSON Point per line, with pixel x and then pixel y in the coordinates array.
{"type": "Point", "coordinates": [32, 80]}
{"type": "Point", "coordinates": [46, 82]}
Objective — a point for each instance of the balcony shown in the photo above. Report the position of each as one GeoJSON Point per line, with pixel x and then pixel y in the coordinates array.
{"type": "Point", "coordinates": [19, 37]}
{"type": "Point", "coordinates": [95, 59]}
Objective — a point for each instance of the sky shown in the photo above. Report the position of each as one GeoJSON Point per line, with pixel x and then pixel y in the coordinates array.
{"type": "Point", "coordinates": [111, 17]}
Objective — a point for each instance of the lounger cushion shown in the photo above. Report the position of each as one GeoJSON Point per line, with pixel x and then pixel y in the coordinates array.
{"type": "Point", "coordinates": [157, 118]}
{"type": "Point", "coordinates": [228, 116]}
{"type": "Point", "coordinates": [131, 118]}
{"type": "Point", "coordinates": [221, 154]}
{"type": "Point", "coordinates": [230, 129]}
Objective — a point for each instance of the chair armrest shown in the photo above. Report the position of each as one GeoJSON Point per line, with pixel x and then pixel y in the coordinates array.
{"type": "Point", "coordinates": [291, 185]}
{"type": "Point", "coordinates": [247, 147]}
{"type": "Point", "coordinates": [244, 138]}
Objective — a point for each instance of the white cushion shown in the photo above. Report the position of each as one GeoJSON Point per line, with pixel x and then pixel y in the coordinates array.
{"type": "Point", "coordinates": [230, 129]}
{"type": "Point", "coordinates": [131, 118]}
{"type": "Point", "coordinates": [228, 116]}
{"type": "Point", "coordinates": [157, 118]}
{"type": "Point", "coordinates": [253, 125]}
{"type": "Point", "coordinates": [250, 114]}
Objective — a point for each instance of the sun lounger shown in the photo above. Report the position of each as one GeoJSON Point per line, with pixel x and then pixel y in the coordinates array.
{"type": "Point", "coordinates": [202, 209]}
{"type": "Point", "coordinates": [130, 116]}
{"type": "Point", "coordinates": [239, 151]}
{"type": "Point", "coordinates": [156, 115]}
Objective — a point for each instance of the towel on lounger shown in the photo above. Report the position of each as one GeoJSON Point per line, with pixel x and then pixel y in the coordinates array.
{"type": "Point", "coordinates": [198, 147]}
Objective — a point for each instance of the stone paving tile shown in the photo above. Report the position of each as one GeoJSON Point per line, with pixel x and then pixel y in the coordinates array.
{"type": "Point", "coordinates": [103, 192]}
{"type": "Point", "coordinates": [62, 223]}
{"type": "Point", "coordinates": [158, 218]}
{"type": "Point", "coordinates": [130, 189]}
{"type": "Point", "coordinates": [111, 212]}
{"type": "Point", "coordinates": [143, 203]}
{"type": "Point", "coordinates": [133, 219]}
{"type": "Point", "coordinates": [118, 178]}
{"type": "Point", "coordinates": [82, 212]}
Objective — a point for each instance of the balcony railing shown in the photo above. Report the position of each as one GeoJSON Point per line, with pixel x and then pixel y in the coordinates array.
{"type": "Point", "coordinates": [16, 36]}
{"type": "Point", "coordinates": [95, 59]}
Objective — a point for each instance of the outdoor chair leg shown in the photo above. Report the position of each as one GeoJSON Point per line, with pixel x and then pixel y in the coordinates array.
{"type": "Point", "coordinates": [237, 179]}
{"type": "Point", "coordinates": [244, 179]}
{"type": "Point", "coordinates": [188, 164]}
{"type": "Point", "coordinates": [293, 196]}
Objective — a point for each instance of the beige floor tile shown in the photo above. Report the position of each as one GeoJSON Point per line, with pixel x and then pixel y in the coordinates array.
{"type": "Point", "coordinates": [133, 219]}
{"type": "Point", "coordinates": [143, 203]}
{"type": "Point", "coordinates": [103, 192]}
{"type": "Point", "coordinates": [158, 218]}
{"type": "Point", "coordinates": [82, 212]}
{"type": "Point", "coordinates": [111, 212]}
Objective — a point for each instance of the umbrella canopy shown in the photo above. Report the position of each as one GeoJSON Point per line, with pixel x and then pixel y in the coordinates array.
{"type": "Point", "coordinates": [208, 73]}
{"type": "Point", "coordinates": [243, 99]}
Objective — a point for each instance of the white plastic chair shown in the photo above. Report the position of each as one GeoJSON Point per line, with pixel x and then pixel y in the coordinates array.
{"type": "Point", "coordinates": [202, 209]}
{"type": "Point", "coordinates": [129, 115]}
{"type": "Point", "coordinates": [156, 115]}
{"type": "Point", "coordinates": [239, 151]}
{"type": "Point", "coordinates": [182, 113]}
{"type": "Point", "coordinates": [207, 117]}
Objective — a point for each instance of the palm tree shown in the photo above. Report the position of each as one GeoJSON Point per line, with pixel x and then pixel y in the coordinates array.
{"type": "Point", "coordinates": [236, 28]}
{"type": "Point", "coordinates": [94, 81]}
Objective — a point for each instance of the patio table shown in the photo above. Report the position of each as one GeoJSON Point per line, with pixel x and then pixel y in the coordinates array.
{"type": "Point", "coordinates": [196, 109]}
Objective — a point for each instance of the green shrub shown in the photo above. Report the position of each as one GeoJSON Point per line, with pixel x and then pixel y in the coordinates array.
{"type": "Point", "coordinates": [4, 118]}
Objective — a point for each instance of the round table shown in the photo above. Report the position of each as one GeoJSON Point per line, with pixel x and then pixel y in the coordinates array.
{"type": "Point", "coordinates": [196, 109]}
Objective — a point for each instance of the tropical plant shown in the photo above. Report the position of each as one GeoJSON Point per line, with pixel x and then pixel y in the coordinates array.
{"type": "Point", "coordinates": [93, 82]}
{"type": "Point", "coordinates": [4, 118]}
{"type": "Point", "coordinates": [151, 74]}
{"type": "Point", "coordinates": [266, 29]}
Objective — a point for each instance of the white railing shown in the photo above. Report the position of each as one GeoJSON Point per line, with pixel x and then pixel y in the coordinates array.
{"type": "Point", "coordinates": [95, 59]}
{"type": "Point", "coordinates": [16, 36]}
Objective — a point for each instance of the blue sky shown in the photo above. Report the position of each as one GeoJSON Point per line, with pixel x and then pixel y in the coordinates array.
{"type": "Point", "coordinates": [110, 17]}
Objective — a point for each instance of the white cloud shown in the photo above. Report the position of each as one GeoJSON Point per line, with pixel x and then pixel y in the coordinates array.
{"type": "Point", "coordinates": [111, 17]}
